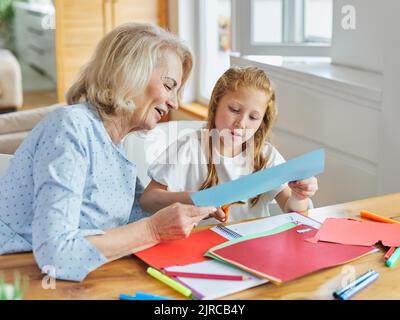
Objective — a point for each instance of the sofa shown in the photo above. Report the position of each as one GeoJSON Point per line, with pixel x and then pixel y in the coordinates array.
{"type": "Point", "coordinates": [15, 126]}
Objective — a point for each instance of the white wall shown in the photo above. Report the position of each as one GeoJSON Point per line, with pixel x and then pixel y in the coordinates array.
{"type": "Point", "coordinates": [363, 47]}
{"type": "Point", "coordinates": [182, 22]}
{"type": "Point", "coordinates": [360, 134]}
{"type": "Point", "coordinates": [389, 168]}
{"type": "Point", "coordinates": [319, 113]}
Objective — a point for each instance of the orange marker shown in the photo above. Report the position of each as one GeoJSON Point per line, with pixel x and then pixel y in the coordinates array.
{"type": "Point", "coordinates": [226, 207]}
{"type": "Point", "coordinates": [372, 216]}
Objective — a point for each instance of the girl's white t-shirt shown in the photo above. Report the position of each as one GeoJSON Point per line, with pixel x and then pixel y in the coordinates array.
{"type": "Point", "coordinates": [183, 167]}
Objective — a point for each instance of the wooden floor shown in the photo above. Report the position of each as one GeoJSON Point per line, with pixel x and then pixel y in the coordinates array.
{"type": "Point", "coordinates": [37, 99]}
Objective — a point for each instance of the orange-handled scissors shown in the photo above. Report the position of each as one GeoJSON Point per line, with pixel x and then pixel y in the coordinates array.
{"type": "Point", "coordinates": [226, 207]}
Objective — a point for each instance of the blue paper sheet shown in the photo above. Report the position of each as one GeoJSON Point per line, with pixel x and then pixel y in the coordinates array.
{"type": "Point", "coordinates": [303, 167]}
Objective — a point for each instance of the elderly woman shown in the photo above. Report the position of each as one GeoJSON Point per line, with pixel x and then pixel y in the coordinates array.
{"type": "Point", "coordinates": [70, 195]}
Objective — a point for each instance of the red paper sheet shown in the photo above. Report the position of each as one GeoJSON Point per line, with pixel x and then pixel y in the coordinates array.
{"type": "Point", "coordinates": [361, 233]}
{"type": "Point", "coordinates": [286, 256]}
{"type": "Point", "coordinates": [181, 252]}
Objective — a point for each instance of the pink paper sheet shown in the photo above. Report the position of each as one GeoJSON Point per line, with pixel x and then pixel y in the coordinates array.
{"type": "Point", "coordinates": [361, 233]}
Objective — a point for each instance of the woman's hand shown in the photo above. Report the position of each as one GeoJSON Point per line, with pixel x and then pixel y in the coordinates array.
{"type": "Point", "coordinates": [177, 221]}
{"type": "Point", "coordinates": [303, 189]}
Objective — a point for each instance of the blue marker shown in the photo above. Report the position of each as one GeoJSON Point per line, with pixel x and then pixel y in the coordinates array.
{"type": "Point", "coordinates": [126, 297]}
{"type": "Point", "coordinates": [143, 296]}
{"type": "Point", "coordinates": [148, 296]}
{"type": "Point", "coordinates": [358, 280]}
{"type": "Point", "coordinates": [357, 288]}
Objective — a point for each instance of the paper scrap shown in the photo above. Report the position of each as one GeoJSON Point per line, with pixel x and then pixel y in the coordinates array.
{"type": "Point", "coordinates": [355, 232]}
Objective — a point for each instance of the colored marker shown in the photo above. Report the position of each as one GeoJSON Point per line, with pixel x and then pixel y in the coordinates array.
{"type": "Point", "coordinates": [143, 296]}
{"type": "Point", "coordinates": [169, 282]}
{"type": "Point", "coordinates": [147, 296]}
{"type": "Point", "coordinates": [123, 296]}
{"type": "Point", "coordinates": [389, 253]}
{"type": "Point", "coordinates": [352, 291]}
{"type": "Point", "coordinates": [354, 283]}
{"type": "Point", "coordinates": [373, 216]}
{"type": "Point", "coordinates": [206, 275]}
{"type": "Point", "coordinates": [393, 258]}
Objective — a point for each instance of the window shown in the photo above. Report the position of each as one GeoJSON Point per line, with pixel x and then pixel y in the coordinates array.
{"type": "Point", "coordinates": [269, 29]}
{"type": "Point", "coordinates": [317, 20]}
{"type": "Point", "coordinates": [264, 27]}
{"type": "Point", "coordinates": [283, 27]}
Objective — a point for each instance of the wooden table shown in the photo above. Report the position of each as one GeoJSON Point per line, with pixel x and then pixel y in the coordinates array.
{"type": "Point", "coordinates": [128, 275]}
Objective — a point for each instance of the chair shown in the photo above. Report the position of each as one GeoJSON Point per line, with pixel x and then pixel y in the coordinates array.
{"type": "Point", "coordinates": [4, 163]}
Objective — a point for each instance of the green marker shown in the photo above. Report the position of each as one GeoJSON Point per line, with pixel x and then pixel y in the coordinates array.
{"type": "Point", "coordinates": [169, 282]}
{"type": "Point", "coordinates": [392, 260]}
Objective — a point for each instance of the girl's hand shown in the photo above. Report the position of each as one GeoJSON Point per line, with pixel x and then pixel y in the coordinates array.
{"type": "Point", "coordinates": [303, 189]}
{"type": "Point", "coordinates": [219, 215]}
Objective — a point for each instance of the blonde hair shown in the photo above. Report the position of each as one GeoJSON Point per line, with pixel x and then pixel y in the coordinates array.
{"type": "Point", "coordinates": [232, 80]}
{"type": "Point", "coordinates": [122, 65]}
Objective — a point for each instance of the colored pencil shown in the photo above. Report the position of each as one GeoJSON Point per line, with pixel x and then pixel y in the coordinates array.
{"type": "Point", "coordinates": [206, 275]}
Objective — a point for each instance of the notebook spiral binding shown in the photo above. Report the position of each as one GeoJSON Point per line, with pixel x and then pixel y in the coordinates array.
{"type": "Point", "coordinates": [229, 232]}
